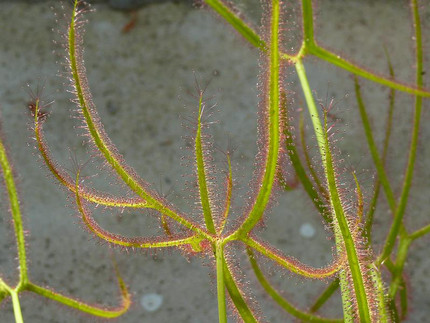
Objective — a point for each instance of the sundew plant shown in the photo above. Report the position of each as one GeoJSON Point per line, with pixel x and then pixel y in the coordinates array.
{"type": "Point", "coordinates": [25, 284]}
{"type": "Point", "coordinates": [371, 279]}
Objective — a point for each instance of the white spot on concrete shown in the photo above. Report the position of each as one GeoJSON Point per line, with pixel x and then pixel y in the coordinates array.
{"type": "Point", "coordinates": [151, 302]}
{"type": "Point", "coordinates": [307, 230]}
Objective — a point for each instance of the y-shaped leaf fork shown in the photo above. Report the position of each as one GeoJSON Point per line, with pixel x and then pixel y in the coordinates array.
{"type": "Point", "coordinates": [195, 238]}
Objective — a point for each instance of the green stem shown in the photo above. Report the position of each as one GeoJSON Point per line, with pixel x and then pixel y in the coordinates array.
{"type": "Point", "coordinates": [16, 216]}
{"type": "Point", "coordinates": [377, 186]}
{"type": "Point", "coordinates": [308, 160]}
{"type": "Point", "coordinates": [403, 299]}
{"type": "Point", "coordinates": [325, 295]}
{"type": "Point", "coordinates": [15, 300]}
{"type": "Point", "coordinates": [298, 166]}
{"type": "Point", "coordinates": [236, 296]}
{"type": "Point", "coordinates": [384, 315]}
{"type": "Point", "coordinates": [312, 108]}
{"type": "Point", "coordinates": [237, 23]}
{"type": "Point", "coordinates": [382, 175]}
{"type": "Point", "coordinates": [402, 254]}
{"type": "Point", "coordinates": [222, 312]}
{"type": "Point", "coordinates": [342, 225]}
{"type": "Point", "coordinates": [268, 179]}
{"type": "Point", "coordinates": [420, 232]}
{"type": "Point", "coordinates": [335, 59]}
{"type": "Point", "coordinates": [79, 305]}
{"type": "Point", "coordinates": [308, 24]}
{"type": "Point", "coordinates": [16, 306]}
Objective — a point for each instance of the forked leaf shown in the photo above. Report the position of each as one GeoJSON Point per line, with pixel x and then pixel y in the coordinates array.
{"type": "Point", "coordinates": [96, 129]}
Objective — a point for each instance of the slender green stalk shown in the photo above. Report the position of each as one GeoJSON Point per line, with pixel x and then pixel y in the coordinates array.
{"type": "Point", "coordinates": [308, 24]}
{"type": "Point", "coordinates": [16, 306]}
{"type": "Point", "coordinates": [402, 253]}
{"type": "Point", "coordinates": [219, 255]}
{"type": "Point", "coordinates": [389, 124]}
{"type": "Point", "coordinates": [237, 298]}
{"type": "Point", "coordinates": [16, 215]}
{"type": "Point", "coordinates": [312, 108]}
{"type": "Point", "coordinates": [24, 283]}
{"type": "Point", "coordinates": [79, 305]}
{"type": "Point", "coordinates": [420, 232]}
{"type": "Point", "coordinates": [384, 315]}
{"type": "Point", "coordinates": [19, 234]}
{"type": "Point", "coordinates": [305, 150]}
{"type": "Point", "coordinates": [273, 143]}
{"type": "Point", "coordinates": [403, 299]}
{"type": "Point", "coordinates": [325, 295]}
{"type": "Point", "coordinates": [348, 66]}
{"type": "Point", "coordinates": [6, 290]}
{"type": "Point", "coordinates": [320, 138]}
{"type": "Point", "coordinates": [341, 223]}
{"type": "Point", "coordinates": [354, 262]}
{"type": "Point", "coordinates": [394, 312]}
{"type": "Point", "coordinates": [382, 175]}
{"type": "Point", "coordinates": [237, 23]}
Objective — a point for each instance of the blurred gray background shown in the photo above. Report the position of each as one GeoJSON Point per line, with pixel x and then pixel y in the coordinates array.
{"type": "Point", "coordinates": [143, 83]}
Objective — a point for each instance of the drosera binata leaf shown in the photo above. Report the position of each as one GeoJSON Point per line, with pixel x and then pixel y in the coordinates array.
{"type": "Point", "coordinates": [272, 143]}
{"type": "Point", "coordinates": [202, 171]}
{"type": "Point", "coordinates": [347, 237]}
{"type": "Point", "coordinates": [96, 129]}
